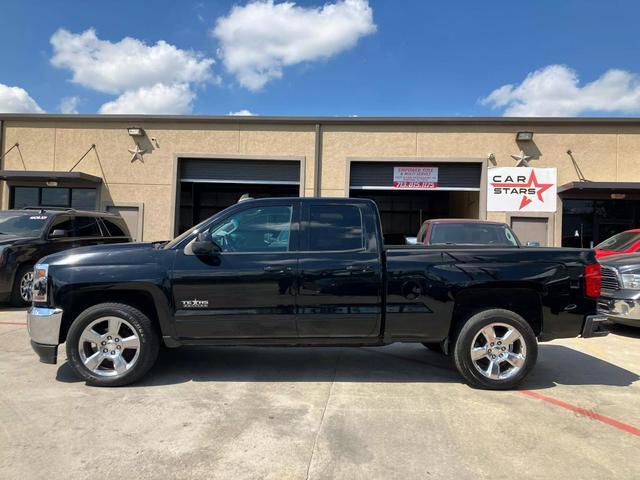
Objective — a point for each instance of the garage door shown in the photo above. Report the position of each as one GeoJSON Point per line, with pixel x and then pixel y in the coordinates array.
{"type": "Point", "coordinates": [274, 172]}
{"type": "Point", "coordinates": [208, 186]}
{"type": "Point", "coordinates": [451, 175]}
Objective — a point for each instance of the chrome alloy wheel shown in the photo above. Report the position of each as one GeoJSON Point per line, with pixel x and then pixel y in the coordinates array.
{"type": "Point", "coordinates": [498, 351]}
{"type": "Point", "coordinates": [109, 346]}
{"type": "Point", "coordinates": [26, 284]}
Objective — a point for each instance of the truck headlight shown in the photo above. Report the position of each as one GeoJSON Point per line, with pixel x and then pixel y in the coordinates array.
{"type": "Point", "coordinates": [631, 281]}
{"type": "Point", "coordinates": [40, 282]}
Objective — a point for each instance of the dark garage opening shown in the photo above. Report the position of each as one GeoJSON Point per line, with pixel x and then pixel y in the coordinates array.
{"type": "Point", "coordinates": [595, 211]}
{"type": "Point", "coordinates": [402, 212]}
{"type": "Point", "coordinates": [208, 186]}
{"type": "Point", "coordinates": [199, 201]}
{"type": "Point", "coordinates": [457, 195]}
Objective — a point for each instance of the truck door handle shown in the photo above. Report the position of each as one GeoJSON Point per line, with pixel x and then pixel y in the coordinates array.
{"type": "Point", "coordinates": [358, 268]}
{"type": "Point", "coordinates": [275, 269]}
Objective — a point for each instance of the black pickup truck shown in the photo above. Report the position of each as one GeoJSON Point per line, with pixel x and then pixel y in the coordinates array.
{"type": "Point", "coordinates": [309, 272]}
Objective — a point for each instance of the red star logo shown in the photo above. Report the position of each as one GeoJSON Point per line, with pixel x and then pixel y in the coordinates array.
{"type": "Point", "coordinates": [533, 181]}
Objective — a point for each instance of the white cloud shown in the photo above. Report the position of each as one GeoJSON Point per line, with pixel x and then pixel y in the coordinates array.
{"type": "Point", "coordinates": [69, 105]}
{"type": "Point", "coordinates": [157, 99]}
{"type": "Point", "coordinates": [126, 65]}
{"type": "Point", "coordinates": [242, 113]}
{"type": "Point", "coordinates": [259, 39]}
{"type": "Point", "coordinates": [17, 100]}
{"type": "Point", "coordinates": [555, 91]}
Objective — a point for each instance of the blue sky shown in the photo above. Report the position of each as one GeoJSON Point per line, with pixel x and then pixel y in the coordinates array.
{"type": "Point", "coordinates": [381, 57]}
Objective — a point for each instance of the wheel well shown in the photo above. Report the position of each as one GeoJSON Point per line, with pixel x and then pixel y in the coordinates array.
{"type": "Point", "coordinates": [77, 303]}
{"type": "Point", "coordinates": [523, 301]}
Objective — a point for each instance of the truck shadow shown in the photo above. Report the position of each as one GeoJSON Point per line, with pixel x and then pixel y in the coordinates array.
{"type": "Point", "coordinates": [557, 365]}
{"type": "Point", "coordinates": [625, 331]}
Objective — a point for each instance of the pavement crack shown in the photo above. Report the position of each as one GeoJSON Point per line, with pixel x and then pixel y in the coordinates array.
{"type": "Point", "coordinates": [324, 411]}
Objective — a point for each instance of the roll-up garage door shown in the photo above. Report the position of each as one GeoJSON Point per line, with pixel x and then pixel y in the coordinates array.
{"type": "Point", "coordinates": [451, 175]}
{"type": "Point", "coordinates": [273, 172]}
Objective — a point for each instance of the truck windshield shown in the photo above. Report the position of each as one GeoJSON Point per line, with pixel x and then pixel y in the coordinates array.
{"type": "Point", "coordinates": [21, 224]}
{"type": "Point", "coordinates": [620, 242]}
{"type": "Point", "coordinates": [472, 234]}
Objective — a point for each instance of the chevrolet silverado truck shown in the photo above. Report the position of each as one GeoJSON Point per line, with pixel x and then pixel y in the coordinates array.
{"type": "Point", "coordinates": [309, 272]}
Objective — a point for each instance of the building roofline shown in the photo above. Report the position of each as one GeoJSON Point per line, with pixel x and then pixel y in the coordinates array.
{"type": "Point", "coordinates": [325, 120]}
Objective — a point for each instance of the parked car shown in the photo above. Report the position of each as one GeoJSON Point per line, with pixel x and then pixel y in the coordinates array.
{"type": "Point", "coordinates": [466, 231]}
{"type": "Point", "coordinates": [624, 242]}
{"type": "Point", "coordinates": [308, 272]}
{"type": "Point", "coordinates": [620, 299]}
{"type": "Point", "coordinates": [29, 234]}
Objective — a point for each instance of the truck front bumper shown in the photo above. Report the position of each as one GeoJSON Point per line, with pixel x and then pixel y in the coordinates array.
{"type": "Point", "coordinates": [595, 326]}
{"type": "Point", "coordinates": [44, 329]}
{"type": "Point", "coordinates": [621, 310]}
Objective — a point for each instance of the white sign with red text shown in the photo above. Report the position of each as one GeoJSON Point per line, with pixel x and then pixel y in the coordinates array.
{"type": "Point", "coordinates": [520, 189]}
{"type": "Point", "coordinates": [420, 178]}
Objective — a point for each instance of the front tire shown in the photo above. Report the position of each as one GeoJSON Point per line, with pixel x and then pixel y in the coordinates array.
{"type": "Point", "coordinates": [495, 350]}
{"type": "Point", "coordinates": [112, 344]}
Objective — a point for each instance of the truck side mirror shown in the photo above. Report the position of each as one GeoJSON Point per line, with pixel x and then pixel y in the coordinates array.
{"type": "Point", "coordinates": [59, 233]}
{"type": "Point", "coordinates": [204, 246]}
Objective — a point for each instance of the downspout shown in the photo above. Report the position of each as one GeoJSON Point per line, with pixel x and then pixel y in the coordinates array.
{"type": "Point", "coordinates": [2, 182]}
{"type": "Point", "coordinates": [317, 164]}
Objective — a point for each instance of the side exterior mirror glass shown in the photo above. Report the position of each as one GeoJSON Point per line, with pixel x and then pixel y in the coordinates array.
{"type": "Point", "coordinates": [204, 246]}
{"type": "Point", "coordinates": [58, 233]}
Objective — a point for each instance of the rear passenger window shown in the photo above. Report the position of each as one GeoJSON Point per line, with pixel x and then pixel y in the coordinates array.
{"type": "Point", "coordinates": [335, 227]}
{"type": "Point", "coordinates": [86, 227]}
{"type": "Point", "coordinates": [113, 229]}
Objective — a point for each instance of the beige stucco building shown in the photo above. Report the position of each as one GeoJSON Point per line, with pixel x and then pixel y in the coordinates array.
{"type": "Point", "coordinates": [190, 167]}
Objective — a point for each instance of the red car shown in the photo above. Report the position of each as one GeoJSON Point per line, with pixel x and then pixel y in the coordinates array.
{"type": "Point", "coordinates": [624, 242]}
{"type": "Point", "coordinates": [465, 231]}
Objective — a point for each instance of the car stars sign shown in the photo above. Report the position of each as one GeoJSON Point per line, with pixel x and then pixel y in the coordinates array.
{"type": "Point", "coordinates": [518, 189]}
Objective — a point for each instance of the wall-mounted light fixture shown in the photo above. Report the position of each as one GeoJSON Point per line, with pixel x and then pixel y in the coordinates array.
{"type": "Point", "coordinates": [51, 183]}
{"type": "Point", "coordinates": [524, 136]}
{"type": "Point", "coordinates": [618, 196]}
{"type": "Point", "coordinates": [135, 131]}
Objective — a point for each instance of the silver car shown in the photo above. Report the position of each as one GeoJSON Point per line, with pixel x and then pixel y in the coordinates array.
{"type": "Point", "coordinates": [620, 297]}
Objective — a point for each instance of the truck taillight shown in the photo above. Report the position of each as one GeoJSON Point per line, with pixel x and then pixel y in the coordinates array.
{"type": "Point", "coordinates": [592, 280]}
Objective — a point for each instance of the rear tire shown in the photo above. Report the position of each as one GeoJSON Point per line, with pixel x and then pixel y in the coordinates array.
{"type": "Point", "coordinates": [21, 292]}
{"type": "Point", "coordinates": [112, 344]}
{"type": "Point", "coordinates": [495, 350]}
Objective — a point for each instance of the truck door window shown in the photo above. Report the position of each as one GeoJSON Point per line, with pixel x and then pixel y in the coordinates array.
{"type": "Point", "coordinates": [86, 227]}
{"type": "Point", "coordinates": [335, 227]}
{"type": "Point", "coordinates": [62, 222]}
{"type": "Point", "coordinates": [261, 229]}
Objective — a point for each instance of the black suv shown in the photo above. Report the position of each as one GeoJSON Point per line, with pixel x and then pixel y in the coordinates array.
{"type": "Point", "coordinates": [31, 233]}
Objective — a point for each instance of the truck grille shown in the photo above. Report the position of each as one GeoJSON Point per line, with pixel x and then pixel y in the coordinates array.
{"type": "Point", "coordinates": [610, 279]}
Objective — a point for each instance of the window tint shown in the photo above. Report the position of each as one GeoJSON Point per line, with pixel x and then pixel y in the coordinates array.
{"type": "Point", "coordinates": [472, 234]}
{"type": "Point", "coordinates": [263, 229]}
{"type": "Point", "coordinates": [25, 197]}
{"type": "Point", "coordinates": [78, 198]}
{"type": "Point", "coordinates": [619, 242]}
{"type": "Point", "coordinates": [115, 227]}
{"type": "Point", "coordinates": [421, 233]}
{"type": "Point", "coordinates": [55, 197]}
{"type": "Point", "coordinates": [83, 198]}
{"type": "Point", "coordinates": [62, 222]}
{"type": "Point", "coordinates": [22, 225]}
{"type": "Point", "coordinates": [335, 227]}
{"type": "Point", "coordinates": [86, 227]}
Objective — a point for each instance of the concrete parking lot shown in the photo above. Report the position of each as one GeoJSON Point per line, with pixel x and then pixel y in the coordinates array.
{"type": "Point", "coordinates": [395, 412]}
